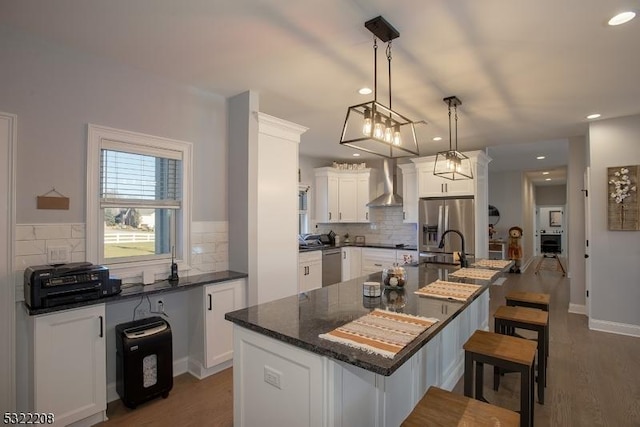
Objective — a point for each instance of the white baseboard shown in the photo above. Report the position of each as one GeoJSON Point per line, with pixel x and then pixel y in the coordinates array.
{"type": "Point", "coordinates": [200, 372]}
{"type": "Point", "coordinates": [578, 309]}
{"type": "Point", "coordinates": [179, 368]}
{"type": "Point", "coordinates": [614, 327]}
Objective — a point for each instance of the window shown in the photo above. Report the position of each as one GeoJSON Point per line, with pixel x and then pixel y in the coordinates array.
{"type": "Point", "coordinates": [137, 198]}
{"type": "Point", "coordinates": [303, 209]}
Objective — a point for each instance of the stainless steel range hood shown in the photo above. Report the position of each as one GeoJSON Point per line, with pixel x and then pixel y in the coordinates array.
{"type": "Point", "coordinates": [390, 196]}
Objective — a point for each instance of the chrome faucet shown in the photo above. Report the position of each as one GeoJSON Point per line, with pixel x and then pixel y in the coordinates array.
{"type": "Point", "coordinates": [463, 257]}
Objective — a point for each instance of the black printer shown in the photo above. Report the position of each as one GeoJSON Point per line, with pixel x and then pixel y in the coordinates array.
{"type": "Point", "coordinates": [54, 285]}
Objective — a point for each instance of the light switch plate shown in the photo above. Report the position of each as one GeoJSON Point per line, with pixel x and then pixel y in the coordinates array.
{"type": "Point", "coordinates": [57, 254]}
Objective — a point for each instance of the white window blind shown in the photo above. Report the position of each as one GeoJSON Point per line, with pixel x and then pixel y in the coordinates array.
{"type": "Point", "coordinates": [151, 179]}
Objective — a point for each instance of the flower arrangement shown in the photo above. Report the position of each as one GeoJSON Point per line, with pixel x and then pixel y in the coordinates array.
{"type": "Point", "coordinates": [622, 185]}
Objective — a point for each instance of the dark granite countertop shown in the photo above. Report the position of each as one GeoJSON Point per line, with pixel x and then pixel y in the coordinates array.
{"type": "Point", "coordinates": [137, 290]}
{"type": "Point", "coordinates": [368, 245]}
{"type": "Point", "coordinates": [299, 319]}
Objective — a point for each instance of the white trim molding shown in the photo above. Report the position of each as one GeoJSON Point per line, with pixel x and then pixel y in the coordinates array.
{"type": "Point", "coordinates": [7, 293]}
{"type": "Point", "coordinates": [614, 327]}
{"type": "Point", "coordinates": [578, 309]}
{"type": "Point", "coordinates": [95, 136]}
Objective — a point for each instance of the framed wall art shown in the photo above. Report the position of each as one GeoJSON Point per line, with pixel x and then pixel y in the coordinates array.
{"type": "Point", "coordinates": [555, 218]}
{"type": "Point", "coordinates": [623, 208]}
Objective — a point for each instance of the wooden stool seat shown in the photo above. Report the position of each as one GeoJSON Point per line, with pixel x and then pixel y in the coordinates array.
{"type": "Point", "coordinates": [531, 300]}
{"type": "Point", "coordinates": [507, 319]}
{"type": "Point", "coordinates": [528, 299]}
{"type": "Point", "coordinates": [440, 408]}
{"type": "Point", "coordinates": [502, 351]}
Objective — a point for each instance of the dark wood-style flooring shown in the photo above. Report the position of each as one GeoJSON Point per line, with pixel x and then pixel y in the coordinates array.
{"type": "Point", "coordinates": [593, 377]}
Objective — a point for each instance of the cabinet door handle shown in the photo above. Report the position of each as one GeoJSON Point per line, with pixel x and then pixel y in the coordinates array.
{"type": "Point", "coordinates": [340, 215]}
{"type": "Point", "coordinates": [210, 302]}
{"type": "Point", "coordinates": [404, 215]}
{"type": "Point", "coordinates": [344, 255]}
{"type": "Point", "coordinates": [378, 265]}
{"type": "Point", "coordinates": [367, 215]}
{"type": "Point", "coordinates": [101, 326]}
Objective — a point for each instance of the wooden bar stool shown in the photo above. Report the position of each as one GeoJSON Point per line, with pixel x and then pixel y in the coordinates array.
{"type": "Point", "coordinates": [441, 408]}
{"type": "Point", "coordinates": [531, 300]}
{"type": "Point", "coordinates": [503, 351]}
{"type": "Point", "coordinates": [508, 319]}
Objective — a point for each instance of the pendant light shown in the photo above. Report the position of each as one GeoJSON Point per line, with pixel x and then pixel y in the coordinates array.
{"type": "Point", "coordinates": [452, 164]}
{"type": "Point", "coordinates": [372, 126]}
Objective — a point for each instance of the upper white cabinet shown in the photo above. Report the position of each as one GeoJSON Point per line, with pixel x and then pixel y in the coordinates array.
{"type": "Point", "coordinates": [430, 185]}
{"type": "Point", "coordinates": [409, 193]}
{"type": "Point", "coordinates": [69, 364]}
{"type": "Point", "coordinates": [342, 195]}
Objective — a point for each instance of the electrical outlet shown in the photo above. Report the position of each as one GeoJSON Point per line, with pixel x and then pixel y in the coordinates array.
{"type": "Point", "coordinates": [160, 306]}
{"type": "Point", "coordinates": [271, 376]}
{"type": "Point", "coordinates": [57, 254]}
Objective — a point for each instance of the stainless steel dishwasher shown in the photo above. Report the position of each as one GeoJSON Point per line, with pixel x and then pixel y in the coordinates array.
{"type": "Point", "coordinates": [331, 266]}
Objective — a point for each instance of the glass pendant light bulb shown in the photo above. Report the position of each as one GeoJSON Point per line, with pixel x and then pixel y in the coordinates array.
{"type": "Point", "coordinates": [366, 127]}
{"type": "Point", "coordinates": [378, 127]}
{"type": "Point", "coordinates": [397, 138]}
{"type": "Point", "coordinates": [388, 131]}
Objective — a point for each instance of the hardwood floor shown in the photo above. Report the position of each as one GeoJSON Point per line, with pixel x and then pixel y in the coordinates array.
{"type": "Point", "coordinates": [593, 377]}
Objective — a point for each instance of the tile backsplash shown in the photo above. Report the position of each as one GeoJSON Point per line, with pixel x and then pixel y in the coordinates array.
{"type": "Point", "coordinates": [209, 246]}
{"type": "Point", "coordinates": [385, 227]}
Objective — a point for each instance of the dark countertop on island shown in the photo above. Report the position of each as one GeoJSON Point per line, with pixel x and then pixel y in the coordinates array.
{"type": "Point", "coordinates": [138, 290]}
{"type": "Point", "coordinates": [299, 319]}
{"type": "Point", "coordinates": [367, 245]}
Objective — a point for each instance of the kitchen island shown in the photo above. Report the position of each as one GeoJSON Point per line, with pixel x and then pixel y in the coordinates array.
{"type": "Point", "coordinates": [285, 374]}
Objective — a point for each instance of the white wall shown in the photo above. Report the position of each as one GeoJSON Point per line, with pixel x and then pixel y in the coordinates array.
{"type": "Point", "coordinates": [615, 270]}
{"type": "Point", "coordinates": [56, 92]}
{"type": "Point", "coordinates": [551, 194]}
{"type": "Point", "coordinates": [505, 192]}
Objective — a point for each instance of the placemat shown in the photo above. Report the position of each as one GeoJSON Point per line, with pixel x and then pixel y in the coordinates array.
{"type": "Point", "coordinates": [492, 263]}
{"type": "Point", "coordinates": [380, 332]}
{"type": "Point", "coordinates": [448, 290]}
{"type": "Point", "coordinates": [474, 273]}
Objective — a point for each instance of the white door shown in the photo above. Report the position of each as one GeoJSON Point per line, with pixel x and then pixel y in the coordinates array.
{"type": "Point", "coordinates": [587, 238]}
{"type": "Point", "coordinates": [8, 126]}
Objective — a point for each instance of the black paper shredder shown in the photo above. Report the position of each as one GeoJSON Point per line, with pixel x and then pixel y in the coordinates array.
{"type": "Point", "coordinates": [144, 360]}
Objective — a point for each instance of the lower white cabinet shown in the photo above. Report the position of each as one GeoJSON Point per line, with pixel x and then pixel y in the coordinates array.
{"type": "Point", "coordinates": [375, 260]}
{"type": "Point", "coordinates": [69, 364]}
{"type": "Point", "coordinates": [309, 271]}
{"type": "Point", "coordinates": [351, 263]}
{"type": "Point", "coordinates": [210, 334]}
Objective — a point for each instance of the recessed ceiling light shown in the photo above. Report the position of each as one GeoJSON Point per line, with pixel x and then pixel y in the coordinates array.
{"type": "Point", "coordinates": [622, 18]}
{"type": "Point", "coordinates": [593, 116]}
{"type": "Point", "coordinates": [437, 138]}
{"type": "Point", "coordinates": [540, 157]}
{"type": "Point", "coordinates": [545, 173]}
{"type": "Point", "coordinates": [365, 91]}
{"type": "Point", "coordinates": [356, 154]}
{"type": "Point", "coordinates": [547, 179]}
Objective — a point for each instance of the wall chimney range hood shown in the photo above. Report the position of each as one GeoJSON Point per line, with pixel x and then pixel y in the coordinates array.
{"type": "Point", "coordinates": [390, 197]}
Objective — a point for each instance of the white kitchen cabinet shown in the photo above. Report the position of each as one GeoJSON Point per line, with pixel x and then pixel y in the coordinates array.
{"type": "Point", "coordinates": [375, 260]}
{"type": "Point", "coordinates": [409, 193]}
{"type": "Point", "coordinates": [309, 270]}
{"type": "Point", "coordinates": [430, 185]}
{"type": "Point", "coordinates": [69, 364]}
{"type": "Point", "coordinates": [342, 195]}
{"type": "Point", "coordinates": [351, 263]}
{"type": "Point", "coordinates": [210, 334]}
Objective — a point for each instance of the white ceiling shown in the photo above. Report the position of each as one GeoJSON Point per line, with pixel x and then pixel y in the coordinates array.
{"type": "Point", "coordinates": [526, 71]}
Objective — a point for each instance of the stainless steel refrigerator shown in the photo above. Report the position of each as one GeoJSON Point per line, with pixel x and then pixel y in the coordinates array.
{"type": "Point", "coordinates": [436, 215]}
